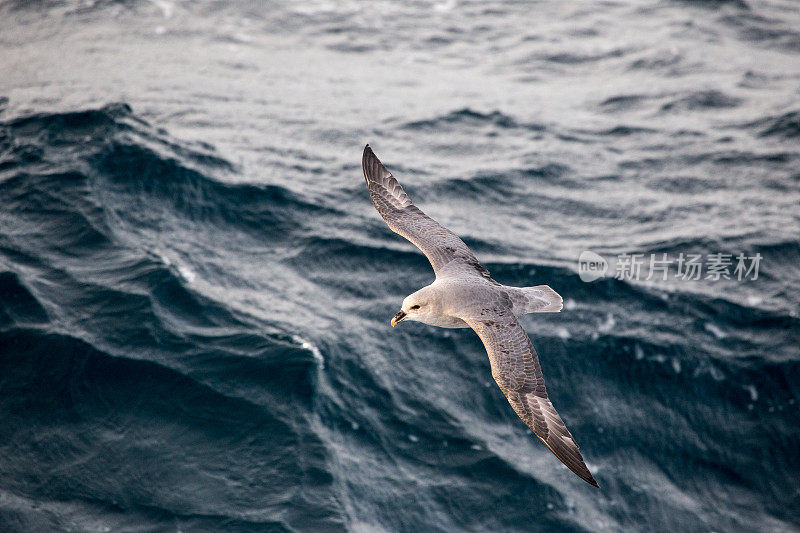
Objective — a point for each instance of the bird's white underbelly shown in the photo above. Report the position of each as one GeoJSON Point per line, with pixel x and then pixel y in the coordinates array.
{"type": "Point", "coordinates": [444, 321]}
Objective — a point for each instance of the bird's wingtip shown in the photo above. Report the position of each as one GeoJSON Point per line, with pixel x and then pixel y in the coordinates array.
{"type": "Point", "coordinates": [367, 162]}
{"type": "Point", "coordinates": [589, 478]}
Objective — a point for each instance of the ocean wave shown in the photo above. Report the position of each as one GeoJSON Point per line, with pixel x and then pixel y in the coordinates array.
{"type": "Point", "coordinates": [138, 408]}
{"type": "Point", "coordinates": [18, 305]}
{"type": "Point", "coordinates": [131, 171]}
{"type": "Point", "coordinates": [785, 125]}
{"type": "Point", "coordinates": [757, 27]}
{"type": "Point", "coordinates": [567, 58]}
{"type": "Point", "coordinates": [121, 159]}
{"type": "Point", "coordinates": [467, 117]}
{"type": "Point", "coordinates": [701, 100]}
{"type": "Point", "coordinates": [622, 102]}
{"type": "Point", "coordinates": [74, 219]}
{"type": "Point", "coordinates": [195, 290]}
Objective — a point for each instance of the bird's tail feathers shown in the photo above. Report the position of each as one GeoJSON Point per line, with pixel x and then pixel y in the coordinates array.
{"type": "Point", "coordinates": [538, 299]}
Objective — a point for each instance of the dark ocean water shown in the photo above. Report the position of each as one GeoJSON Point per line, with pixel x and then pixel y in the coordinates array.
{"type": "Point", "coordinates": [195, 289]}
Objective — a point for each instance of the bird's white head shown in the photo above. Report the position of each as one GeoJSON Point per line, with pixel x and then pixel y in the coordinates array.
{"type": "Point", "coordinates": [418, 307]}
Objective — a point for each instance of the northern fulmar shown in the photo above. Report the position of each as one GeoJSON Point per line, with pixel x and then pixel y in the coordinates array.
{"type": "Point", "coordinates": [464, 295]}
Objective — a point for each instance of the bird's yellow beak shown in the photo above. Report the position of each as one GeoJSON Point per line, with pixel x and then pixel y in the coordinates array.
{"type": "Point", "coordinates": [397, 318]}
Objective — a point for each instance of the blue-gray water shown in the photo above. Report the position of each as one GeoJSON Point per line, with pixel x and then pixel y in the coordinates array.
{"type": "Point", "coordinates": [195, 289]}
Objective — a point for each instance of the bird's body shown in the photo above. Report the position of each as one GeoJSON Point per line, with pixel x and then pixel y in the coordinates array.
{"type": "Point", "coordinates": [440, 299]}
{"type": "Point", "coordinates": [465, 295]}
{"type": "Point", "coordinates": [452, 297]}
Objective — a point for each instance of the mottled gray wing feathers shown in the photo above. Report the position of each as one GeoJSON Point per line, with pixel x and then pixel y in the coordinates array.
{"type": "Point", "coordinates": [442, 247]}
{"type": "Point", "coordinates": [516, 369]}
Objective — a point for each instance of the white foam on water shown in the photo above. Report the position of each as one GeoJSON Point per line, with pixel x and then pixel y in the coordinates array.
{"type": "Point", "coordinates": [716, 373]}
{"type": "Point", "coordinates": [637, 350]}
{"type": "Point", "coordinates": [187, 273]}
{"type": "Point", "coordinates": [608, 324]}
{"type": "Point", "coordinates": [753, 300]}
{"type": "Point", "coordinates": [167, 8]}
{"type": "Point", "coordinates": [308, 345]}
{"type": "Point", "coordinates": [444, 7]}
{"type": "Point", "coordinates": [714, 330]}
{"type": "Point", "coordinates": [753, 392]}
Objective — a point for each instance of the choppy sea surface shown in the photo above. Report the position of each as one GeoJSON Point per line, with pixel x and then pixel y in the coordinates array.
{"type": "Point", "coordinates": [195, 289]}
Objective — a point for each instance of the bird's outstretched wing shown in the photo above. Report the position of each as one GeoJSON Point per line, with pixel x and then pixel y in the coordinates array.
{"type": "Point", "coordinates": [515, 367]}
{"type": "Point", "coordinates": [445, 251]}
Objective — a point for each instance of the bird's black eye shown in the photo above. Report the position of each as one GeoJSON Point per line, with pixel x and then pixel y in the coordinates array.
{"type": "Point", "coordinates": [414, 307]}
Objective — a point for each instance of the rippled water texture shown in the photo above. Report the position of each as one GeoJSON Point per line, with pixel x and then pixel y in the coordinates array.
{"type": "Point", "coordinates": [195, 289]}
